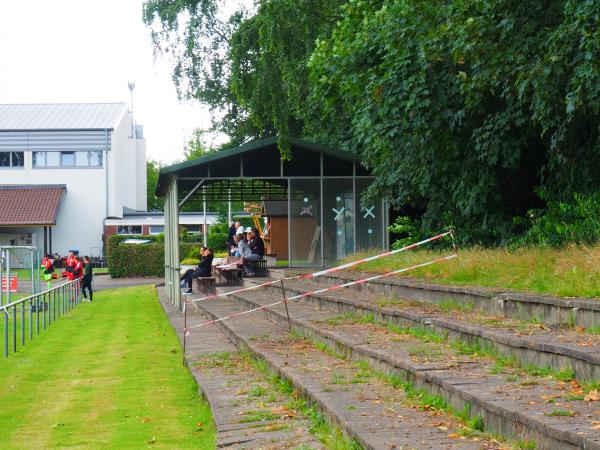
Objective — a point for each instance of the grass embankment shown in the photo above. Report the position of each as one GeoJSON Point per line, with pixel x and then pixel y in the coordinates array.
{"type": "Point", "coordinates": [108, 375]}
{"type": "Point", "coordinates": [570, 272]}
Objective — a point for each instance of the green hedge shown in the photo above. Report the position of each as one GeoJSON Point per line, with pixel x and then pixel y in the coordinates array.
{"type": "Point", "coordinates": [143, 260]}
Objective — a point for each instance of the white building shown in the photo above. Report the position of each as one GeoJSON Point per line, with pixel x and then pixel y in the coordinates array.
{"type": "Point", "coordinates": [64, 169]}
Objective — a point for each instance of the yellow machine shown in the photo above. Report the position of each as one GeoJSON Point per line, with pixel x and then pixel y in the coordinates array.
{"type": "Point", "coordinates": [257, 225]}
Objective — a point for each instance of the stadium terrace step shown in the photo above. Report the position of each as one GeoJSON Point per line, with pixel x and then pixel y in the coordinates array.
{"type": "Point", "coordinates": [529, 341]}
{"type": "Point", "coordinates": [246, 411]}
{"type": "Point", "coordinates": [514, 402]}
{"type": "Point", "coordinates": [349, 394]}
{"type": "Point", "coordinates": [549, 310]}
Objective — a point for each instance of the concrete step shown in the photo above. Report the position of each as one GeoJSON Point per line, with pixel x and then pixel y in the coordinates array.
{"type": "Point", "coordinates": [349, 394]}
{"type": "Point", "coordinates": [547, 309]}
{"type": "Point", "coordinates": [530, 342]}
{"type": "Point", "coordinates": [247, 411]}
{"type": "Point", "coordinates": [510, 401]}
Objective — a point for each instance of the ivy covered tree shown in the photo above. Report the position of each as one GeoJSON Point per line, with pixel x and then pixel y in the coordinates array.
{"type": "Point", "coordinates": [478, 103]}
{"type": "Point", "coordinates": [469, 112]}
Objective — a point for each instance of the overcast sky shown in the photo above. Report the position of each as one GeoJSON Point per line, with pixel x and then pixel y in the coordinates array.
{"type": "Point", "coordinates": [86, 51]}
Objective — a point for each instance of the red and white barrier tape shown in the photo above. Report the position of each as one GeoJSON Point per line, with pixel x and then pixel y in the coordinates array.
{"type": "Point", "coordinates": [330, 270]}
{"type": "Point", "coordinates": [320, 291]}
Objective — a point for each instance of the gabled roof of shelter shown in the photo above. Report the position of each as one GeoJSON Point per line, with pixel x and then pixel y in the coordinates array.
{"type": "Point", "coordinates": [251, 147]}
{"type": "Point", "coordinates": [60, 116]}
{"type": "Point", "coordinates": [30, 204]}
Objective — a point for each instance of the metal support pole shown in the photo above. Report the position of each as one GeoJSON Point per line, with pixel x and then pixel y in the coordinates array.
{"type": "Point", "coordinates": [32, 272]}
{"type": "Point", "coordinates": [31, 319]}
{"type": "Point", "coordinates": [22, 324]}
{"type": "Point", "coordinates": [37, 315]}
{"type": "Point", "coordinates": [5, 333]}
{"type": "Point", "coordinates": [7, 276]}
{"type": "Point", "coordinates": [204, 230]}
{"type": "Point", "coordinates": [185, 330]}
{"type": "Point", "coordinates": [229, 209]}
{"type": "Point", "coordinates": [285, 302]}
{"type": "Point", "coordinates": [14, 328]}
{"type": "Point", "coordinates": [1, 264]}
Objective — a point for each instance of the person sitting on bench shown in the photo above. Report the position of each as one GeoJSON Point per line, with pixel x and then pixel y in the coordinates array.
{"type": "Point", "coordinates": [257, 252]}
{"type": "Point", "coordinates": [187, 272]}
{"type": "Point", "coordinates": [243, 249]}
{"type": "Point", "coordinates": [204, 269]}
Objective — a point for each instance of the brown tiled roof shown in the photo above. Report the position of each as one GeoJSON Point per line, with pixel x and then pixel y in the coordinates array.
{"type": "Point", "coordinates": [30, 205]}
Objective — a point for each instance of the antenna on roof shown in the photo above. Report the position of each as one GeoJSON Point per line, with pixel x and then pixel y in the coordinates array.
{"type": "Point", "coordinates": [131, 86]}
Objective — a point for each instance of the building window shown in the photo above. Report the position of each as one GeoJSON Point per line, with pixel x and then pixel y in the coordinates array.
{"type": "Point", "coordinates": [193, 229]}
{"type": "Point", "coordinates": [67, 159]}
{"type": "Point", "coordinates": [156, 229]}
{"type": "Point", "coordinates": [12, 159]}
{"type": "Point", "coordinates": [129, 229]}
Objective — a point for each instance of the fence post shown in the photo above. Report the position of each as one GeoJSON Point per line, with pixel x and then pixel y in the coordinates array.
{"type": "Point", "coordinates": [44, 310]}
{"type": "Point", "coordinates": [31, 319]}
{"type": "Point", "coordinates": [23, 324]}
{"type": "Point", "coordinates": [37, 315]}
{"type": "Point", "coordinates": [5, 333]}
{"type": "Point", "coordinates": [14, 329]}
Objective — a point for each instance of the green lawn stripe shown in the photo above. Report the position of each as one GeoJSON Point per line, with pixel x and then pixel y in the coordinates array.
{"type": "Point", "coordinates": [109, 375]}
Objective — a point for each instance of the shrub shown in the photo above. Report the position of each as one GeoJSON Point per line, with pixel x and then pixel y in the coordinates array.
{"type": "Point", "coordinates": [406, 232]}
{"type": "Point", "coordinates": [217, 237]}
{"type": "Point", "coordinates": [573, 221]}
{"type": "Point", "coordinates": [190, 262]}
{"type": "Point", "coordinates": [140, 260]}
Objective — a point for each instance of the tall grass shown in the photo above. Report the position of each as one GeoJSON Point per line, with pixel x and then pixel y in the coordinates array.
{"type": "Point", "coordinates": [572, 271]}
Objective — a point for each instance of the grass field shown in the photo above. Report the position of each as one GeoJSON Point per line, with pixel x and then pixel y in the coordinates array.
{"type": "Point", "coordinates": [571, 271]}
{"type": "Point", "coordinates": [108, 375]}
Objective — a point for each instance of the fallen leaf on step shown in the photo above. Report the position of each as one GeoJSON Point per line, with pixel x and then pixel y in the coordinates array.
{"type": "Point", "coordinates": [443, 428]}
{"type": "Point", "coordinates": [585, 344]}
{"type": "Point", "coordinates": [592, 396]}
{"type": "Point", "coordinates": [454, 435]}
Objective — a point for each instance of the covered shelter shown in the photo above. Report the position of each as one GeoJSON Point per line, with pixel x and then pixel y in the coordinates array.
{"type": "Point", "coordinates": [312, 201]}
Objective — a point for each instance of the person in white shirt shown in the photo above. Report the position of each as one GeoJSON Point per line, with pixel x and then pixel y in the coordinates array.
{"type": "Point", "coordinates": [239, 229]}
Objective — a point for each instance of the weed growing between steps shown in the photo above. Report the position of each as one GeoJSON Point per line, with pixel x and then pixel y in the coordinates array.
{"type": "Point", "coordinates": [331, 436]}
{"type": "Point", "coordinates": [434, 339]}
{"type": "Point", "coordinates": [471, 426]}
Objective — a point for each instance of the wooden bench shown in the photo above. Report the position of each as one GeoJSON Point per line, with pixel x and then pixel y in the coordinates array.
{"type": "Point", "coordinates": [206, 285]}
{"type": "Point", "coordinates": [259, 266]}
{"type": "Point", "coordinates": [230, 276]}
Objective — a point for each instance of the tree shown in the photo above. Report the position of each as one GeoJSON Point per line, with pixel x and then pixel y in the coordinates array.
{"type": "Point", "coordinates": [486, 109]}
{"type": "Point", "coordinates": [152, 171]}
{"type": "Point", "coordinates": [479, 104]}
{"type": "Point", "coordinates": [195, 146]}
{"type": "Point", "coordinates": [251, 68]}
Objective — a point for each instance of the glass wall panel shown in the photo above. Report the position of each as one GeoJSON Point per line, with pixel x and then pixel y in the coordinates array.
{"type": "Point", "coordinates": [338, 218]}
{"type": "Point", "coordinates": [369, 220]}
{"type": "Point", "coordinates": [305, 223]}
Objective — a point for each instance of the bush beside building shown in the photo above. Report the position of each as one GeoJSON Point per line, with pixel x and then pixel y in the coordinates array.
{"type": "Point", "coordinates": [140, 260]}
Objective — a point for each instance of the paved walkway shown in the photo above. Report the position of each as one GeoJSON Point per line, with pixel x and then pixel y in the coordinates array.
{"type": "Point", "coordinates": [106, 282]}
{"type": "Point", "coordinates": [248, 412]}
